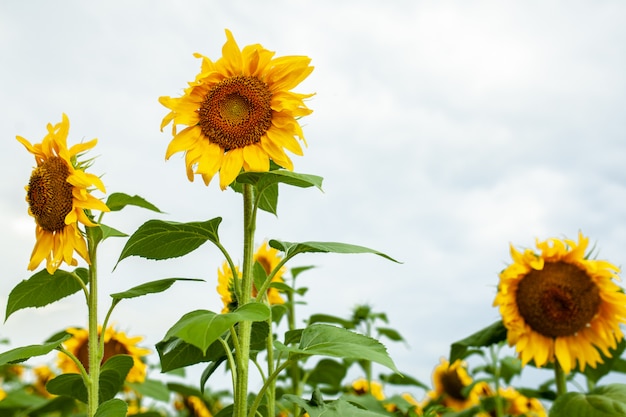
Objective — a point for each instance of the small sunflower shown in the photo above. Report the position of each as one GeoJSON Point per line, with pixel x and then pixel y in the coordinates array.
{"type": "Point", "coordinates": [115, 343]}
{"type": "Point", "coordinates": [560, 305]}
{"type": "Point", "coordinates": [268, 258]}
{"type": "Point", "coordinates": [43, 374]}
{"type": "Point", "coordinates": [520, 405]}
{"type": "Point", "coordinates": [58, 193]}
{"type": "Point", "coordinates": [239, 112]}
{"type": "Point", "coordinates": [362, 387]}
{"type": "Point", "coordinates": [450, 383]}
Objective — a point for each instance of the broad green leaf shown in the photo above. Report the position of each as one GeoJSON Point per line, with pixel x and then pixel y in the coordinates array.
{"type": "Point", "coordinates": [174, 353]}
{"type": "Point", "coordinates": [57, 406]}
{"type": "Point", "coordinates": [396, 379]}
{"type": "Point", "coordinates": [265, 179]}
{"type": "Point", "coordinates": [488, 336]}
{"type": "Point", "coordinates": [604, 401]}
{"type": "Point", "coordinates": [21, 354]}
{"type": "Point", "coordinates": [20, 398]}
{"type": "Point", "coordinates": [70, 385]}
{"type": "Point", "coordinates": [112, 408]}
{"type": "Point", "coordinates": [268, 200]}
{"type": "Point", "coordinates": [509, 368]}
{"type": "Point", "coordinates": [117, 201]}
{"type": "Point", "coordinates": [112, 375]}
{"type": "Point", "coordinates": [327, 340]}
{"type": "Point", "coordinates": [42, 289]}
{"type": "Point", "coordinates": [335, 408]}
{"type": "Point", "coordinates": [150, 288]}
{"type": "Point", "coordinates": [151, 388]}
{"type": "Point", "coordinates": [390, 333]}
{"type": "Point", "coordinates": [202, 327]}
{"type": "Point", "coordinates": [291, 249]}
{"type": "Point", "coordinates": [327, 372]}
{"type": "Point", "coordinates": [158, 239]}
{"type": "Point", "coordinates": [108, 231]}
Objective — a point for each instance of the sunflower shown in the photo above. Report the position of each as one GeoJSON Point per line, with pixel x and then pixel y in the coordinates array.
{"type": "Point", "coordinates": [42, 374]}
{"type": "Point", "coordinates": [268, 258]}
{"type": "Point", "coordinates": [560, 305]}
{"type": "Point", "coordinates": [195, 406]}
{"type": "Point", "coordinates": [450, 383]}
{"type": "Point", "coordinates": [520, 405]}
{"type": "Point", "coordinates": [362, 387]}
{"type": "Point", "coordinates": [58, 193]}
{"type": "Point", "coordinates": [239, 113]}
{"type": "Point", "coordinates": [115, 343]}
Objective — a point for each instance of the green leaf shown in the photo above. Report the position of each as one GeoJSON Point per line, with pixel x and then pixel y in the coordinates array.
{"type": "Point", "coordinates": [21, 354]}
{"type": "Point", "coordinates": [151, 388]}
{"type": "Point", "coordinates": [263, 180]}
{"type": "Point", "coordinates": [604, 401]}
{"type": "Point", "coordinates": [118, 201]}
{"type": "Point", "coordinates": [150, 288]}
{"type": "Point", "coordinates": [327, 318]}
{"type": "Point", "coordinates": [396, 379]}
{"type": "Point", "coordinates": [112, 375]}
{"type": "Point", "coordinates": [488, 336]}
{"type": "Point", "coordinates": [20, 398]}
{"type": "Point", "coordinates": [158, 239]}
{"type": "Point", "coordinates": [42, 289]}
{"type": "Point", "coordinates": [201, 328]}
{"type": "Point", "coordinates": [70, 385]}
{"type": "Point", "coordinates": [335, 408]}
{"type": "Point", "coordinates": [174, 353]}
{"type": "Point", "coordinates": [291, 249]}
{"type": "Point", "coordinates": [391, 334]}
{"type": "Point", "coordinates": [108, 231]}
{"type": "Point", "coordinates": [327, 340]}
{"type": "Point", "coordinates": [327, 372]}
{"type": "Point", "coordinates": [268, 200]}
{"type": "Point", "coordinates": [112, 408]}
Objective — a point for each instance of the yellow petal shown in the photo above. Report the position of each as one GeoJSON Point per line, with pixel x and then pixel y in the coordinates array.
{"type": "Point", "coordinates": [255, 159]}
{"type": "Point", "coordinates": [231, 166]}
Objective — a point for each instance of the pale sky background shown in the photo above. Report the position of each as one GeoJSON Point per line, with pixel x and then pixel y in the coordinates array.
{"type": "Point", "coordinates": [444, 130]}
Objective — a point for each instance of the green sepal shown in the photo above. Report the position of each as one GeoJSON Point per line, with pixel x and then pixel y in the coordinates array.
{"type": "Point", "coordinates": [42, 289]}
{"type": "Point", "coordinates": [112, 408]}
{"type": "Point", "coordinates": [151, 287]}
{"type": "Point", "coordinates": [604, 401]}
{"type": "Point", "coordinates": [117, 201]}
{"type": "Point", "coordinates": [291, 249]}
{"type": "Point", "coordinates": [327, 340]}
{"type": "Point", "coordinates": [490, 335]}
{"type": "Point", "coordinates": [201, 328]}
{"type": "Point", "coordinates": [159, 239]}
{"type": "Point", "coordinates": [20, 354]}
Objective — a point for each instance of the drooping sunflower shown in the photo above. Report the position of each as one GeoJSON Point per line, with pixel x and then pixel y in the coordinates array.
{"type": "Point", "coordinates": [268, 258]}
{"type": "Point", "coordinates": [239, 112]}
{"type": "Point", "coordinates": [58, 193]}
{"type": "Point", "coordinates": [115, 343]}
{"type": "Point", "coordinates": [560, 305]}
{"type": "Point", "coordinates": [450, 382]}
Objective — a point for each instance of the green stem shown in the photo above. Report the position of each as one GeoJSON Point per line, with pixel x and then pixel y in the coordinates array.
{"type": "Point", "coordinates": [245, 327]}
{"type": "Point", "coordinates": [271, 392]}
{"type": "Point", "coordinates": [93, 388]}
{"type": "Point", "coordinates": [559, 378]}
{"type": "Point", "coordinates": [496, 376]}
{"type": "Point", "coordinates": [271, 379]}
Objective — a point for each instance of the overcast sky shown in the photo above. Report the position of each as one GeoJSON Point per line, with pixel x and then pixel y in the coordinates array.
{"type": "Point", "coordinates": [444, 130]}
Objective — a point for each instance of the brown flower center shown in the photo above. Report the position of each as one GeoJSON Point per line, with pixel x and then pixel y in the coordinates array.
{"type": "Point", "coordinates": [236, 112]}
{"type": "Point", "coordinates": [111, 348]}
{"type": "Point", "coordinates": [559, 300]}
{"type": "Point", "coordinates": [49, 194]}
{"type": "Point", "coordinates": [452, 385]}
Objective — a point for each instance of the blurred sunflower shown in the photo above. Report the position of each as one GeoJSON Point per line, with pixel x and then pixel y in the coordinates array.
{"type": "Point", "coordinates": [559, 304]}
{"type": "Point", "coordinates": [115, 343]}
{"type": "Point", "coordinates": [362, 387]}
{"type": "Point", "coordinates": [239, 113]}
{"type": "Point", "coordinates": [520, 405]}
{"type": "Point", "coordinates": [195, 406]}
{"type": "Point", "coordinates": [268, 258]}
{"type": "Point", "coordinates": [450, 383]}
{"type": "Point", "coordinates": [58, 193]}
{"type": "Point", "coordinates": [43, 374]}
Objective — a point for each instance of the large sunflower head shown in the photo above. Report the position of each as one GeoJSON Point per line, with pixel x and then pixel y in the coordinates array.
{"type": "Point", "coordinates": [58, 193]}
{"type": "Point", "coordinates": [560, 305]}
{"type": "Point", "coordinates": [268, 258]}
{"type": "Point", "coordinates": [115, 343]}
{"type": "Point", "coordinates": [239, 112]}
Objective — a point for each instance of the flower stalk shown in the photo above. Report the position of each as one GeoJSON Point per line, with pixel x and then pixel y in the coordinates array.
{"type": "Point", "coordinates": [93, 388]}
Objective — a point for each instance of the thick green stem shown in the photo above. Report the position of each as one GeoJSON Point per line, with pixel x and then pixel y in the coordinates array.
{"type": "Point", "coordinates": [245, 327]}
{"type": "Point", "coordinates": [559, 378]}
{"type": "Point", "coordinates": [93, 387]}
